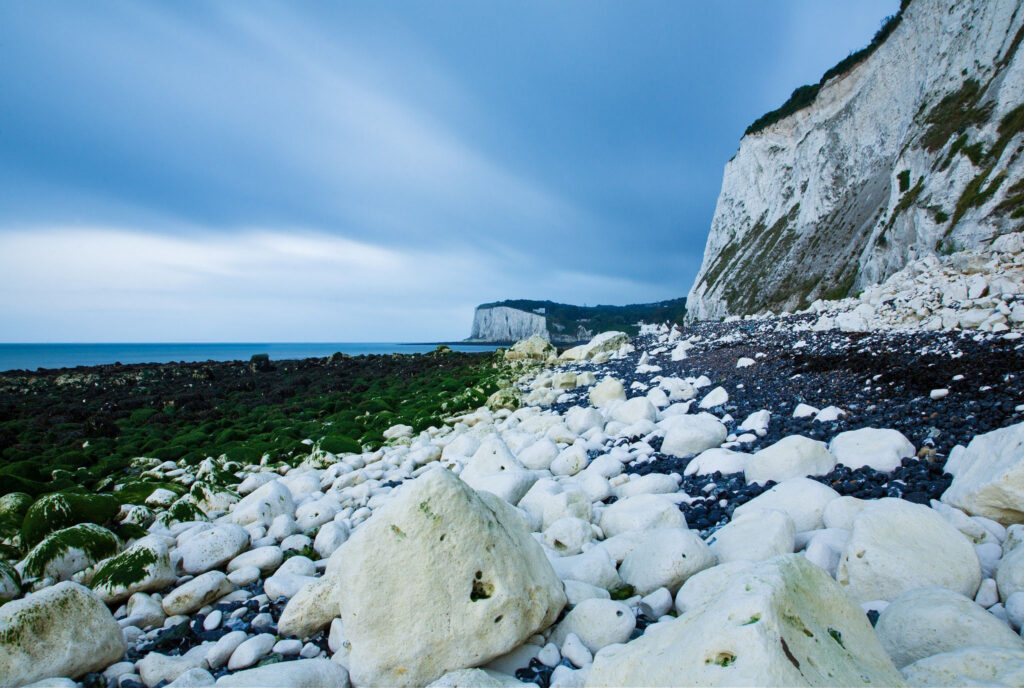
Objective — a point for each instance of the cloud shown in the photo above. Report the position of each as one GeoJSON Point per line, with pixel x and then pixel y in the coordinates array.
{"type": "Point", "coordinates": [111, 284]}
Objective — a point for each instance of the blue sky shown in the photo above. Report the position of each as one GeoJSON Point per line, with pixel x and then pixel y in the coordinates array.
{"type": "Point", "coordinates": [357, 171]}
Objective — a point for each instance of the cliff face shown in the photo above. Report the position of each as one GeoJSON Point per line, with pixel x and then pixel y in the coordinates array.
{"type": "Point", "coordinates": [502, 324]}
{"type": "Point", "coordinates": [915, 151]}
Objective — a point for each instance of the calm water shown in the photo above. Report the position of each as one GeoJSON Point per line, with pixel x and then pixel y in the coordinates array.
{"type": "Point", "coordinates": [32, 356]}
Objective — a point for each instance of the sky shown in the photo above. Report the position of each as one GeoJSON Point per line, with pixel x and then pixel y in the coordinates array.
{"type": "Point", "coordinates": [370, 171]}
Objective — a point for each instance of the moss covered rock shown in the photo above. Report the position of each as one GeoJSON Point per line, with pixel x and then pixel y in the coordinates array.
{"type": "Point", "coordinates": [12, 512]}
{"type": "Point", "coordinates": [64, 630]}
{"type": "Point", "coordinates": [144, 566]}
{"type": "Point", "coordinates": [68, 551]}
{"type": "Point", "coordinates": [508, 398]}
{"type": "Point", "coordinates": [184, 509]}
{"type": "Point", "coordinates": [340, 444]}
{"type": "Point", "coordinates": [10, 582]}
{"type": "Point", "coordinates": [59, 510]}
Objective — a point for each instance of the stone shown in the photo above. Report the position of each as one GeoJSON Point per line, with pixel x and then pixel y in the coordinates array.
{"type": "Point", "coordinates": [62, 630]}
{"type": "Point", "coordinates": [896, 546]}
{"type": "Point", "coordinates": [794, 456]}
{"type": "Point", "coordinates": [10, 582]}
{"type": "Point", "coordinates": [506, 398]}
{"type": "Point", "coordinates": [59, 510]}
{"type": "Point", "coordinates": [641, 512]}
{"type": "Point", "coordinates": [196, 593]}
{"type": "Point", "coordinates": [1014, 606]}
{"type": "Point", "coordinates": [841, 511]}
{"type": "Point", "coordinates": [65, 552]}
{"type": "Point", "coordinates": [594, 567]}
{"type": "Point", "coordinates": [687, 435]}
{"type": "Point", "coordinates": [539, 455]}
{"type": "Point", "coordinates": [264, 504]}
{"type": "Point", "coordinates": [782, 622]}
{"type": "Point", "coordinates": [266, 559]}
{"type": "Point", "coordinates": [221, 651]}
{"type": "Point", "coordinates": [535, 347]}
{"type": "Point", "coordinates": [145, 611]}
{"type": "Point", "coordinates": [651, 483]}
{"type": "Point", "coordinates": [825, 548]}
{"type": "Point", "coordinates": [439, 578]}
{"type": "Point", "coordinates": [329, 538]}
{"type": "Point", "coordinates": [311, 609]}
{"type": "Point", "coordinates": [634, 410]}
{"type": "Point", "coordinates": [754, 536]}
{"type": "Point", "coordinates": [978, 666]}
{"type": "Point", "coordinates": [989, 476]}
{"type": "Point", "coordinates": [607, 391]}
{"type": "Point", "coordinates": [477, 678]}
{"type": "Point", "coordinates": [144, 566]}
{"type": "Point", "coordinates": [931, 620]}
{"type": "Point", "coordinates": [156, 667]}
{"type": "Point", "coordinates": [605, 342]}
{"type": "Point", "coordinates": [577, 591]}
{"type": "Point", "coordinates": [716, 397]}
{"type": "Point", "coordinates": [567, 536]}
{"type": "Point", "coordinates": [665, 560]}
{"type": "Point", "coordinates": [316, 512]}
{"type": "Point", "coordinates": [718, 459]}
{"type": "Point", "coordinates": [575, 651]}
{"type": "Point", "coordinates": [705, 585]}
{"type": "Point", "coordinates": [193, 678]}
{"type": "Point", "coordinates": [1010, 573]}
{"type": "Point", "coordinates": [878, 448]}
{"type": "Point", "coordinates": [302, 673]}
{"type": "Point", "coordinates": [251, 651]}
{"type": "Point", "coordinates": [803, 499]}
{"type": "Point", "coordinates": [597, 623]}
{"type": "Point", "coordinates": [213, 548]}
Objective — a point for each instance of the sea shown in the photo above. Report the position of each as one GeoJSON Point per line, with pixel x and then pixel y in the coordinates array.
{"type": "Point", "coordinates": [34, 356]}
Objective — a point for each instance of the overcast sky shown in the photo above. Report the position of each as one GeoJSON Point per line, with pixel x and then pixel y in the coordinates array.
{"type": "Point", "coordinates": [370, 171]}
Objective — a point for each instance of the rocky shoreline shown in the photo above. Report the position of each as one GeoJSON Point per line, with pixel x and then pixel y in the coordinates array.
{"type": "Point", "coordinates": [834, 497]}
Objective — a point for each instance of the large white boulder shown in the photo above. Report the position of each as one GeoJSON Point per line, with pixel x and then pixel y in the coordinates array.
{"type": "Point", "coordinates": [495, 469]}
{"type": "Point", "coordinates": [972, 666]}
{"type": "Point", "coordinates": [440, 578]}
{"type": "Point", "coordinates": [896, 546]}
{"type": "Point", "coordinates": [264, 504]}
{"type": "Point", "coordinates": [605, 342]}
{"type": "Point", "coordinates": [783, 622]}
{"type": "Point", "coordinates": [687, 435]}
{"type": "Point", "coordinates": [665, 559]}
{"type": "Point", "coordinates": [607, 391]}
{"type": "Point", "coordinates": [311, 609]}
{"type": "Point", "coordinates": [702, 586]}
{"type": "Point", "coordinates": [596, 622]}
{"type": "Point", "coordinates": [931, 620]}
{"type": "Point", "coordinates": [212, 548]}
{"type": "Point", "coordinates": [634, 410]}
{"type": "Point", "coordinates": [989, 476]}
{"type": "Point", "coordinates": [794, 456]}
{"type": "Point", "coordinates": [63, 630]}
{"type": "Point", "coordinates": [803, 499]}
{"type": "Point", "coordinates": [879, 448]}
{"type": "Point", "coordinates": [756, 536]}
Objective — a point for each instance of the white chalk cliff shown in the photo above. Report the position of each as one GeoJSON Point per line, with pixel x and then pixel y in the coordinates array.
{"type": "Point", "coordinates": [504, 324]}
{"type": "Point", "coordinates": [915, 151]}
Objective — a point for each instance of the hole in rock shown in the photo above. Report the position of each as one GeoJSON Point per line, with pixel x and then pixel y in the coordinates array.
{"type": "Point", "coordinates": [481, 591]}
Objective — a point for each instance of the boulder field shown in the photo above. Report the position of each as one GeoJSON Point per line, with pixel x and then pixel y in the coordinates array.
{"type": "Point", "coordinates": [754, 502]}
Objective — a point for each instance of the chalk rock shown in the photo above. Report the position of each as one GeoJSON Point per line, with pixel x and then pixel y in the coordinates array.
{"type": "Point", "coordinates": [539, 455]}
{"type": "Point", "coordinates": [718, 459]}
{"type": "Point", "coordinates": [196, 593]}
{"type": "Point", "coordinates": [794, 456]}
{"type": "Point", "coordinates": [302, 673]}
{"type": "Point", "coordinates": [878, 448]}
{"type": "Point", "coordinates": [783, 622]}
{"type": "Point", "coordinates": [634, 410]}
{"type": "Point", "coordinates": [803, 499]}
{"type": "Point", "coordinates": [1010, 573]}
{"type": "Point", "coordinates": [896, 546]}
{"type": "Point", "coordinates": [756, 536]}
{"type": "Point", "coordinates": [978, 666]}
{"type": "Point", "coordinates": [931, 620]}
{"type": "Point", "coordinates": [212, 548]}
{"type": "Point", "coordinates": [597, 623]}
{"type": "Point", "coordinates": [264, 504]}
{"type": "Point", "coordinates": [156, 667]}
{"type": "Point", "coordinates": [665, 559]}
{"type": "Point", "coordinates": [65, 552]}
{"type": "Point", "coordinates": [989, 478]}
{"type": "Point", "coordinates": [251, 651]}
{"type": "Point", "coordinates": [705, 585]}
{"type": "Point", "coordinates": [607, 391]}
{"type": "Point", "coordinates": [687, 435]}
{"type": "Point", "coordinates": [605, 342]}
{"type": "Point", "coordinates": [716, 397]}
{"type": "Point", "coordinates": [440, 578]}
{"type": "Point", "coordinates": [595, 567]}
{"type": "Point", "coordinates": [63, 630]}
{"type": "Point", "coordinates": [641, 512]}
{"type": "Point", "coordinates": [477, 678]}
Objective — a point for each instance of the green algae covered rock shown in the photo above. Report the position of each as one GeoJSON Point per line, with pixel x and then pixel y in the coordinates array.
{"type": "Point", "coordinates": [59, 510]}
{"type": "Point", "coordinates": [68, 551]}
{"type": "Point", "coordinates": [63, 630]}
{"type": "Point", "coordinates": [10, 582]}
{"type": "Point", "coordinates": [12, 512]}
{"type": "Point", "coordinates": [182, 510]}
{"type": "Point", "coordinates": [144, 566]}
{"type": "Point", "coordinates": [508, 398]}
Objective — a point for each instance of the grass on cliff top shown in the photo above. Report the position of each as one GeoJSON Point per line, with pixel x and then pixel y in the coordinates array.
{"type": "Point", "coordinates": [75, 434]}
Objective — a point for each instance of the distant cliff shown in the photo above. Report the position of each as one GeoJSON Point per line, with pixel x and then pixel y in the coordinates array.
{"type": "Point", "coordinates": [559, 323]}
{"type": "Point", "coordinates": [908, 148]}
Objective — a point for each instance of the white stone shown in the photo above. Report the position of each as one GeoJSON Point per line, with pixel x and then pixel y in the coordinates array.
{"type": "Point", "coordinates": [804, 411]}
{"type": "Point", "coordinates": [716, 397]}
{"type": "Point", "coordinates": [329, 538]}
{"type": "Point", "coordinates": [1010, 573]}
{"type": "Point", "coordinates": [145, 611]}
{"type": "Point", "coordinates": [633, 410]}
{"type": "Point", "coordinates": [652, 483]}
{"type": "Point", "coordinates": [931, 620]}
{"type": "Point", "coordinates": [221, 651]}
{"type": "Point", "coordinates": [803, 499]}
{"type": "Point", "coordinates": [687, 435]}
{"type": "Point", "coordinates": [575, 651]}
{"type": "Point", "coordinates": [156, 667]}
{"type": "Point", "coordinates": [595, 567]}
{"type": "Point", "coordinates": [642, 512]}
{"type": "Point", "coordinates": [987, 594]}
{"type": "Point", "coordinates": [776, 624]}
{"type": "Point", "coordinates": [454, 569]}
{"type": "Point", "coordinates": [977, 666]}
{"type": "Point", "coordinates": [567, 536]}
{"type": "Point", "coordinates": [755, 536]}
{"type": "Point", "coordinates": [718, 459]}
{"type": "Point", "coordinates": [896, 546]}
{"type": "Point", "coordinates": [570, 460]}
{"type": "Point", "coordinates": [989, 478]}
{"type": "Point", "coordinates": [540, 454]}
{"type": "Point", "coordinates": [196, 593]}
{"type": "Point", "coordinates": [665, 560]}
{"type": "Point", "coordinates": [316, 512]}
{"type": "Point", "coordinates": [841, 511]}
{"type": "Point", "coordinates": [154, 576]}
{"type": "Point", "coordinates": [62, 630]}
{"type": "Point", "coordinates": [701, 587]}
{"type": "Point", "coordinates": [1014, 607]}
{"type": "Point", "coordinates": [597, 623]}
{"type": "Point", "coordinates": [825, 548]}
{"type": "Point", "coordinates": [251, 651]}
{"type": "Point", "coordinates": [877, 448]}
{"type": "Point", "coordinates": [794, 456]}
{"type": "Point", "coordinates": [263, 505]}
{"type": "Point", "coordinates": [829, 414]}
{"type": "Point", "coordinates": [757, 422]}
{"type": "Point", "coordinates": [212, 548]}
{"type": "Point", "coordinates": [607, 391]}
{"type": "Point", "coordinates": [266, 559]}
{"type": "Point", "coordinates": [577, 591]}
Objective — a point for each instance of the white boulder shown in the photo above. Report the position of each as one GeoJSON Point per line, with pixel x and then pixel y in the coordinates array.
{"type": "Point", "coordinates": [756, 536]}
{"type": "Point", "coordinates": [879, 448]}
{"type": "Point", "coordinates": [687, 435]}
{"type": "Point", "coordinates": [212, 548]}
{"type": "Point", "coordinates": [665, 560]}
{"type": "Point", "coordinates": [803, 499]}
{"type": "Point", "coordinates": [794, 456]}
{"type": "Point", "coordinates": [989, 477]}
